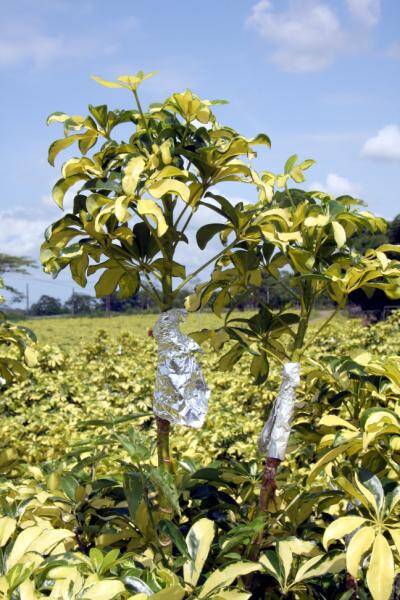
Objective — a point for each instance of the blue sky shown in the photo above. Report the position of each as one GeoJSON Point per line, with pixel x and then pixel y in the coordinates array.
{"type": "Point", "coordinates": [321, 77]}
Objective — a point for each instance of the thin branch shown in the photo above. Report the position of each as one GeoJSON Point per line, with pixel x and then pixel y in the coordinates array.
{"type": "Point", "coordinates": [209, 262]}
{"type": "Point", "coordinates": [286, 287]}
{"type": "Point", "coordinates": [152, 287]}
{"type": "Point", "coordinates": [324, 324]}
{"type": "Point", "coordinates": [141, 113]}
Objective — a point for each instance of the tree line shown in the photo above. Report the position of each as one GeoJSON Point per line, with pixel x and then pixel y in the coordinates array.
{"type": "Point", "coordinates": [272, 291]}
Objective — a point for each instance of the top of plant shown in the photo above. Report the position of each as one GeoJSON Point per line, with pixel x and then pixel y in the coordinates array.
{"type": "Point", "coordinates": [137, 196]}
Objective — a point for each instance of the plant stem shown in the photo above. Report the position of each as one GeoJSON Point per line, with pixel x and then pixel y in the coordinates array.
{"type": "Point", "coordinates": [141, 113]}
{"type": "Point", "coordinates": [305, 312]}
{"type": "Point", "coordinates": [324, 324]}
{"type": "Point", "coordinates": [267, 495]}
{"type": "Point", "coordinates": [209, 262]}
{"type": "Point", "coordinates": [163, 430]}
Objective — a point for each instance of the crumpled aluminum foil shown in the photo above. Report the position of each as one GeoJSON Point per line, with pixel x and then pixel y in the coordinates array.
{"type": "Point", "coordinates": [180, 393]}
{"type": "Point", "coordinates": [275, 434]}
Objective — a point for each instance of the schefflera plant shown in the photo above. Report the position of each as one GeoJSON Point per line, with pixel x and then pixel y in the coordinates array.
{"type": "Point", "coordinates": [308, 235]}
{"type": "Point", "coordinates": [17, 348]}
{"type": "Point", "coordinates": [136, 197]}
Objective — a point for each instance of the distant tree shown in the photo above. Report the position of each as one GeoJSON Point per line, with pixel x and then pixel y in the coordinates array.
{"type": "Point", "coordinates": [140, 302]}
{"type": "Point", "coordinates": [80, 303]}
{"type": "Point", "coordinates": [47, 305]}
{"type": "Point", "coordinates": [367, 240]}
{"type": "Point", "coordinates": [15, 264]}
{"type": "Point", "coordinates": [394, 230]}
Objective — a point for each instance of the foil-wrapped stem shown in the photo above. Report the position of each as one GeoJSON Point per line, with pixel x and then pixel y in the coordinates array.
{"type": "Point", "coordinates": [275, 434]}
{"type": "Point", "coordinates": [180, 392]}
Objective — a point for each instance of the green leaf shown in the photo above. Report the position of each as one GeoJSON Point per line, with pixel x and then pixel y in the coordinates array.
{"type": "Point", "coordinates": [128, 284]}
{"type": "Point", "coordinates": [108, 282]}
{"type": "Point", "coordinates": [229, 359]}
{"type": "Point", "coordinates": [59, 145]}
{"type": "Point", "coordinates": [63, 185]}
{"type": "Point", "coordinates": [259, 368]}
{"type": "Point", "coordinates": [207, 232]}
{"type": "Point", "coordinates": [173, 532]}
{"type": "Point", "coordinates": [134, 491]}
{"type": "Point", "coordinates": [57, 117]}
{"type": "Point", "coordinates": [291, 161]}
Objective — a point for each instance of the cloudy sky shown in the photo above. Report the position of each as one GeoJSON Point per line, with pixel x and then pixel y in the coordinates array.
{"type": "Point", "coordinates": [321, 77]}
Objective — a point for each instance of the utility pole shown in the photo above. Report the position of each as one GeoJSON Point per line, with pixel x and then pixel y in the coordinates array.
{"type": "Point", "coordinates": [72, 301]}
{"type": "Point", "coordinates": [27, 298]}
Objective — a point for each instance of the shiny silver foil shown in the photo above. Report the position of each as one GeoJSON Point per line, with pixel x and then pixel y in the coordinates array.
{"type": "Point", "coordinates": [180, 392]}
{"type": "Point", "coordinates": [275, 435]}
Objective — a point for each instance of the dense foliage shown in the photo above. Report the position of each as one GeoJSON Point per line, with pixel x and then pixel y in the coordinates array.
{"type": "Point", "coordinates": [347, 423]}
{"type": "Point", "coordinates": [108, 508]}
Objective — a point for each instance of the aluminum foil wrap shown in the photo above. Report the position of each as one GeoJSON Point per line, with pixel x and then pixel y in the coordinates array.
{"type": "Point", "coordinates": [180, 393]}
{"type": "Point", "coordinates": [275, 435]}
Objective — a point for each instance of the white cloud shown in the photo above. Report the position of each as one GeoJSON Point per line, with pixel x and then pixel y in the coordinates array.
{"type": "Point", "coordinates": [385, 145]}
{"type": "Point", "coordinates": [29, 44]}
{"type": "Point", "coordinates": [305, 37]}
{"type": "Point", "coordinates": [367, 12]}
{"type": "Point", "coordinates": [21, 235]}
{"type": "Point", "coordinates": [308, 35]}
{"type": "Point", "coordinates": [336, 185]}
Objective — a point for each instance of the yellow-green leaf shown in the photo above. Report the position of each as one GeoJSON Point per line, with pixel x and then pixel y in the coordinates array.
{"type": "Point", "coordinates": [341, 527]}
{"type": "Point", "coordinates": [395, 533]}
{"type": "Point", "coordinates": [286, 557]}
{"type": "Point", "coordinates": [22, 544]}
{"type": "Point", "coordinates": [121, 209]}
{"type": "Point", "coordinates": [380, 574]}
{"type": "Point", "coordinates": [108, 282]}
{"type": "Point", "coordinates": [169, 186]}
{"type": "Point", "coordinates": [198, 541]}
{"type": "Point", "coordinates": [339, 234]}
{"type": "Point", "coordinates": [109, 84]}
{"type": "Point", "coordinates": [173, 592]}
{"type": "Point", "coordinates": [105, 590]}
{"type": "Point", "coordinates": [63, 185]}
{"type": "Point", "coordinates": [317, 221]}
{"type": "Point", "coordinates": [334, 421]}
{"type": "Point", "coordinates": [224, 577]}
{"type": "Point", "coordinates": [320, 565]}
{"type": "Point", "coordinates": [31, 357]}
{"type": "Point", "coordinates": [231, 595]}
{"type": "Point", "coordinates": [59, 145]}
{"type": "Point", "coordinates": [359, 544]}
{"type": "Point", "coordinates": [7, 528]}
{"type": "Point", "coordinates": [149, 207]}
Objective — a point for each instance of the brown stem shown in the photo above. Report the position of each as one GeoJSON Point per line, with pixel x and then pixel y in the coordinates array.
{"type": "Point", "coordinates": [351, 584]}
{"type": "Point", "coordinates": [163, 429]}
{"type": "Point", "coordinates": [268, 485]}
{"type": "Point", "coordinates": [267, 495]}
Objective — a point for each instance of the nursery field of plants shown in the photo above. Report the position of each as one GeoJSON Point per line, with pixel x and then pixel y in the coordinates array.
{"type": "Point", "coordinates": [84, 415]}
{"type": "Point", "coordinates": [117, 480]}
